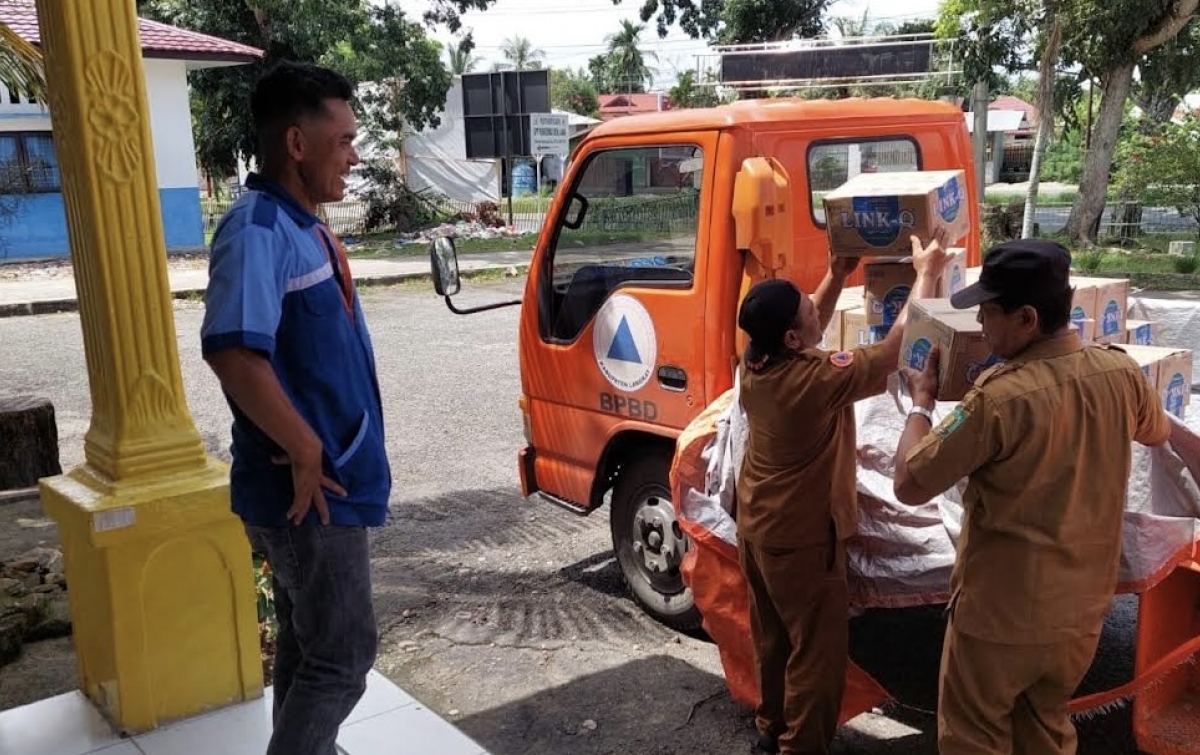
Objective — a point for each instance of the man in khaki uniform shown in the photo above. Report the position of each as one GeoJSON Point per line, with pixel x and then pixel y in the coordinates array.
{"type": "Point", "coordinates": [796, 495]}
{"type": "Point", "coordinates": [1045, 441]}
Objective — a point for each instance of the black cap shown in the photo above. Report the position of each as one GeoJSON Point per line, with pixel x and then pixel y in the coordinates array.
{"type": "Point", "coordinates": [1025, 271]}
{"type": "Point", "coordinates": [767, 313]}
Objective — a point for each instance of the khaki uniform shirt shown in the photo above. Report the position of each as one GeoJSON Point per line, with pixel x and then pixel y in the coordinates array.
{"type": "Point", "coordinates": [798, 473]}
{"type": "Point", "coordinates": [1044, 441]}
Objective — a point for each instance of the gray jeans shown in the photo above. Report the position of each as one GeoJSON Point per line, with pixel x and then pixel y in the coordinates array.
{"type": "Point", "coordinates": [327, 633]}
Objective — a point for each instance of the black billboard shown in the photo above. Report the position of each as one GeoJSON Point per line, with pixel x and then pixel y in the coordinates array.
{"type": "Point", "coordinates": [833, 62]}
{"type": "Point", "coordinates": [496, 108]}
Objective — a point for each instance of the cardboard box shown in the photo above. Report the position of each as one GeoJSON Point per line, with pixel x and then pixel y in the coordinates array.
{"type": "Point", "coordinates": [1109, 298]}
{"type": "Point", "coordinates": [888, 285]}
{"type": "Point", "coordinates": [954, 278]}
{"type": "Point", "coordinates": [856, 331]}
{"type": "Point", "coordinates": [850, 298]}
{"type": "Point", "coordinates": [1085, 328]}
{"type": "Point", "coordinates": [1147, 358]}
{"type": "Point", "coordinates": [1169, 371]}
{"type": "Point", "coordinates": [1175, 381]}
{"type": "Point", "coordinates": [1083, 303]}
{"type": "Point", "coordinates": [1141, 332]}
{"type": "Point", "coordinates": [876, 213]}
{"type": "Point", "coordinates": [1120, 338]}
{"type": "Point", "coordinates": [965, 353]}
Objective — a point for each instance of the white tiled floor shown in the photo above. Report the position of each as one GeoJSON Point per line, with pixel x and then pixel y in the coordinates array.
{"type": "Point", "coordinates": [386, 720]}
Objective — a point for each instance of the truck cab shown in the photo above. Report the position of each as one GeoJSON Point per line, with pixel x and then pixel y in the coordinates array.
{"type": "Point", "coordinates": [628, 328]}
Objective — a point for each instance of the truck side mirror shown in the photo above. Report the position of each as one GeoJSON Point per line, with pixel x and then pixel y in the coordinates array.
{"type": "Point", "coordinates": [444, 262]}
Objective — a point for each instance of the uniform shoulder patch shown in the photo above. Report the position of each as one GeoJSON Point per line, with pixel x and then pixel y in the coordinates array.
{"type": "Point", "coordinates": [952, 422]}
{"type": "Point", "coordinates": [842, 359]}
{"type": "Point", "coordinates": [1110, 347]}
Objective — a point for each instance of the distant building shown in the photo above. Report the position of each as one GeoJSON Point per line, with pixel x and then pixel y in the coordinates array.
{"type": "Point", "coordinates": [28, 154]}
{"type": "Point", "coordinates": [620, 105]}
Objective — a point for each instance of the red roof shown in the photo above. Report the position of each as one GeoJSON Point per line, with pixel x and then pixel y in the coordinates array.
{"type": "Point", "coordinates": [158, 40]}
{"type": "Point", "coordinates": [615, 105]}
{"type": "Point", "coordinates": [1008, 102]}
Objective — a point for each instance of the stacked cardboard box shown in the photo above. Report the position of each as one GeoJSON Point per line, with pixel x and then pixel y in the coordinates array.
{"type": "Point", "coordinates": [1141, 332]}
{"type": "Point", "coordinates": [875, 214]}
{"type": "Point", "coordinates": [1105, 301]}
{"type": "Point", "coordinates": [1099, 314]}
{"type": "Point", "coordinates": [851, 298]}
{"type": "Point", "coordinates": [1169, 370]}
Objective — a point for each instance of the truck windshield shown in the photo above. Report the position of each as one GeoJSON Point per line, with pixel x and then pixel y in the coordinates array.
{"type": "Point", "coordinates": [833, 163]}
{"type": "Point", "coordinates": [632, 218]}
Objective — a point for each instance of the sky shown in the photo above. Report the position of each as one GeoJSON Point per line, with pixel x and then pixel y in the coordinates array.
{"type": "Point", "coordinates": [570, 32]}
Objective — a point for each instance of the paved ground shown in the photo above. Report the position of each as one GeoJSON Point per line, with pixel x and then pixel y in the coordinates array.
{"type": "Point", "coordinates": [508, 617]}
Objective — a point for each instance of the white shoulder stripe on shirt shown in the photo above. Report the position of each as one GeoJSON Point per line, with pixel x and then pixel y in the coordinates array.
{"type": "Point", "coordinates": [308, 280]}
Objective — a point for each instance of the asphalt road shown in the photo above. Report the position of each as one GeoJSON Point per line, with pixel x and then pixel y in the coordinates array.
{"type": "Point", "coordinates": [509, 617]}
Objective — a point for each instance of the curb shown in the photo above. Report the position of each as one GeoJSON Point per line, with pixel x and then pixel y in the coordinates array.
{"type": "Point", "coordinates": [59, 306]}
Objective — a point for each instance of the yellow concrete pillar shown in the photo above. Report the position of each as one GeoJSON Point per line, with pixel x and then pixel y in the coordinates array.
{"type": "Point", "coordinates": [158, 569]}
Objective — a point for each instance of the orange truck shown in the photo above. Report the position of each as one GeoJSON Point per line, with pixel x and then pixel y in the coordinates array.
{"type": "Point", "coordinates": [628, 329]}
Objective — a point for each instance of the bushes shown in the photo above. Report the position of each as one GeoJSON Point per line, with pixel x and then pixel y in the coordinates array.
{"type": "Point", "coordinates": [391, 205]}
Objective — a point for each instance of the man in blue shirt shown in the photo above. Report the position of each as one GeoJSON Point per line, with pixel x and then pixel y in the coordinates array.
{"type": "Point", "coordinates": [285, 334]}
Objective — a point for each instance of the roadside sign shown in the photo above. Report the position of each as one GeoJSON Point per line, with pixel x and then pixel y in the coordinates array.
{"type": "Point", "coordinates": [549, 134]}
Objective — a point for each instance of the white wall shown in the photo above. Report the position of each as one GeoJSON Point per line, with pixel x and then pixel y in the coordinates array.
{"type": "Point", "coordinates": [170, 122]}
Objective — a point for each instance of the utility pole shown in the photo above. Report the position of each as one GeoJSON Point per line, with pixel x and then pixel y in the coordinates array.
{"type": "Point", "coordinates": [979, 106]}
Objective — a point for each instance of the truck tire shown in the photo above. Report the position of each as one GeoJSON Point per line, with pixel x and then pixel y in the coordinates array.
{"type": "Point", "coordinates": [648, 543]}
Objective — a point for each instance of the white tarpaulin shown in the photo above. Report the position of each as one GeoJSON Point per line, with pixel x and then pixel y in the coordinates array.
{"type": "Point", "coordinates": [436, 158]}
{"type": "Point", "coordinates": [903, 555]}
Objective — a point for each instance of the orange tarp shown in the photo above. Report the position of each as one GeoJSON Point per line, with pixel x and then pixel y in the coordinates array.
{"type": "Point", "coordinates": [712, 571]}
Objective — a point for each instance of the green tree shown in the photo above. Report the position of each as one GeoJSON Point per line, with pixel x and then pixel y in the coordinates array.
{"type": "Point", "coordinates": [369, 42]}
{"type": "Point", "coordinates": [626, 63]}
{"type": "Point", "coordinates": [520, 54]}
{"type": "Point", "coordinates": [1166, 75]}
{"type": "Point", "coordinates": [863, 27]}
{"type": "Point", "coordinates": [1164, 168]}
{"type": "Point", "coordinates": [573, 91]}
{"type": "Point", "coordinates": [1105, 40]}
{"type": "Point", "coordinates": [689, 93]}
{"type": "Point", "coordinates": [459, 59]}
{"type": "Point", "coordinates": [21, 65]}
{"type": "Point", "coordinates": [738, 21]}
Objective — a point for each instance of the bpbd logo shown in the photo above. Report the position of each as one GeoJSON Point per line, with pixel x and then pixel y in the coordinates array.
{"type": "Point", "coordinates": [1176, 392]}
{"type": "Point", "coordinates": [878, 220]}
{"type": "Point", "coordinates": [975, 369]}
{"type": "Point", "coordinates": [1112, 318]}
{"type": "Point", "coordinates": [893, 302]}
{"type": "Point", "coordinates": [918, 353]}
{"type": "Point", "coordinates": [1078, 314]}
{"type": "Point", "coordinates": [949, 200]}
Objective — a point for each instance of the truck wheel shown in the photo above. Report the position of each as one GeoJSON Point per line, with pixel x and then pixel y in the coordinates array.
{"type": "Point", "coordinates": [648, 542]}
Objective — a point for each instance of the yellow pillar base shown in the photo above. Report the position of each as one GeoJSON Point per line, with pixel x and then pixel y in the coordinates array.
{"type": "Point", "coordinates": [161, 593]}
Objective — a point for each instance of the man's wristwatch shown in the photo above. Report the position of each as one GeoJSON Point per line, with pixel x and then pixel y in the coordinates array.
{"type": "Point", "coordinates": [921, 411]}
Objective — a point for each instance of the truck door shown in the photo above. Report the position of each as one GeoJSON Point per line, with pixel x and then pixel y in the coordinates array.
{"type": "Point", "coordinates": [615, 343]}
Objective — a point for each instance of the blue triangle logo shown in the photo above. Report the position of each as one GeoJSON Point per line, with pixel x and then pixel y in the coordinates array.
{"type": "Point", "coordinates": [624, 348]}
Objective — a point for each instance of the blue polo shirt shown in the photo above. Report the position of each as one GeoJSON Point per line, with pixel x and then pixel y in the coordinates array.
{"type": "Point", "coordinates": [274, 288]}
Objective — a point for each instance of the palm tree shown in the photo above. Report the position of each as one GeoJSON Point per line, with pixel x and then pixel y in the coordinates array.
{"type": "Point", "coordinates": [627, 69]}
{"type": "Point", "coordinates": [461, 61]}
{"type": "Point", "coordinates": [520, 54]}
{"type": "Point", "coordinates": [850, 28]}
{"type": "Point", "coordinates": [21, 65]}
